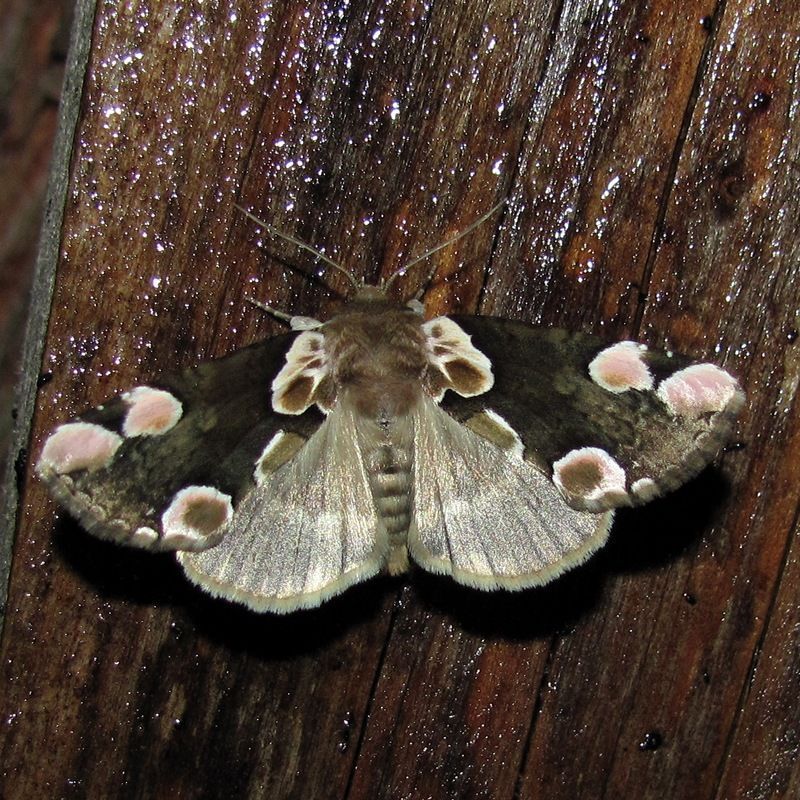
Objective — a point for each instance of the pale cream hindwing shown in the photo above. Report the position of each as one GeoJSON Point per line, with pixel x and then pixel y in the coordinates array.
{"type": "Point", "coordinates": [307, 532]}
{"type": "Point", "coordinates": [486, 516]}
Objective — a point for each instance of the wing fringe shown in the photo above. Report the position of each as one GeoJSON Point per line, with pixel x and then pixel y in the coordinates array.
{"type": "Point", "coordinates": [306, 533]}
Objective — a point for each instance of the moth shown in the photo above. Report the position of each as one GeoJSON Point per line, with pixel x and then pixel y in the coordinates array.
{"type": "Point", "coordinates": [481, 448]}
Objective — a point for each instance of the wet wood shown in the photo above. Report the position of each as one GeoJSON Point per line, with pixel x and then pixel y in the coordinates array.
{"type": "Point", "coordinates": [650, 158]}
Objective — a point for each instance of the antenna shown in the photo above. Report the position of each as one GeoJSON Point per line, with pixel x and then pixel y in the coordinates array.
{"type": "Point", "coordinates": [302, 245]}
{"type": "Point", "coordinates": [405, 268]}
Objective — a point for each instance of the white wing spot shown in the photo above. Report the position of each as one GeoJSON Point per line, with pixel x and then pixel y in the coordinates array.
{"type": "Point", "coordinates": [151, 412]}
{"type": "Point", "coordinates": [279, 449]}
{"type": "Point", "coordinates": [697, 390]}
{"type": "Point", "coordinates": [194, 517]}
{"type": "Point", "coordinates": [621, 367]}
{"type": "Point", "coordinates": [591, 477]}
{"type": "Point", "coordinates": [78, 445]}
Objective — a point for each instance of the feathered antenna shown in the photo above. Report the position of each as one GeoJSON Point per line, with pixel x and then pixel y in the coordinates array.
{"type": "Point", "coordinates": [414, 261]}
{"type": "Point", "coordinates": [393, 277]}
{"type": "Point", "coordinates": [302, 245]}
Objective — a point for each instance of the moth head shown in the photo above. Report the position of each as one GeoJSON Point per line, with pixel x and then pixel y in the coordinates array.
{"type": "Point", "coordinates": [369, 294]}
{"type": "Point", "coordinates": [323, 359]}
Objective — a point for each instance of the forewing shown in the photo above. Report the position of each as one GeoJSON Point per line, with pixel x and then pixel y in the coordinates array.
{"type": "Point", "coordinates": [486, 516]}
{"type": "Point", "coordinates": [305, 533]}
{"type": "Point", "coordinates": [119, 468]}
{"type": "Point", "coordinates": [635, 422]}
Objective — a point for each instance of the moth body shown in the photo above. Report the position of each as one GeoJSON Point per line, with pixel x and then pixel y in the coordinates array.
{"type": "Point", "coordinates": [389, 462]}
{"type": "Point", "coordinates": [378, 362]}
{"type": "Point", "coordinates": [481, 448]}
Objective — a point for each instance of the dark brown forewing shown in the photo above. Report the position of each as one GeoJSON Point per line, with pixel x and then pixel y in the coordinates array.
{"type": "Point", "coordinates": [227, 420]}
{"type": "Point", "coordinates": [543, 390]}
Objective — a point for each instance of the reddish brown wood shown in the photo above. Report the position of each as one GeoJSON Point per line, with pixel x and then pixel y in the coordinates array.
{"type": "Point", "coordinates": [596, 165]}
{"type": "Point", "coordinates": [763, 749]}
{"type": "Point", "coordinates": [650, 157]}
{"type": "Point", "coordinates": [718, 283]}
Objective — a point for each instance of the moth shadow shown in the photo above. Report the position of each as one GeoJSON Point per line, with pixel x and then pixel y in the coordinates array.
{"type": "Point", "coordinates": [115, 572]}
{"type": "Point", "coordinates": [144, 579]}
{"type": "Point", "coordinates": [276, 637]}
{"type": "Point", "coordinates": [654, 535]}
{"type": "Point", "coordinates": [641, 540]}
{"type": "Point", "coordinates": [519, 616]}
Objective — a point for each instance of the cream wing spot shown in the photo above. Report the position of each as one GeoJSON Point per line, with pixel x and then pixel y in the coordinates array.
{"type": "Point", "coordinates": [591, 478]}
{"type": "Point", "coordinates": [151, 412]}
{"type": "Point", "coordinates": [621, 367]}
{"type": "Point", "coordinates": [281, 448]}
{"type": "Point", "coordinates": [304, 323]}
{"type": "Point", "coordinates": [645, 489]}
{"type": "Point", "coordinates": [451, 352]}
{"type": "Point", "coordinates": [195, 518]}
{"type": "Point", "coordinates": [700, 389]}
{"type": "Point", "coordinates": [296, 396]}
{"type": "Point", "coordinates": [78, 445]}
{"type": "Point", "coordinates": [492, 427]}
{"type": "Point", "coordinates": [143, 537]}
{"type": "Point", "coordinates": [306, 365]}
{"type": "Point", "coordinates": [466, 378]}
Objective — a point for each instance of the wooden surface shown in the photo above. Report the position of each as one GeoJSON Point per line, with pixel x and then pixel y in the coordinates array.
{"type": "Point", "coordinates": [651, 159]}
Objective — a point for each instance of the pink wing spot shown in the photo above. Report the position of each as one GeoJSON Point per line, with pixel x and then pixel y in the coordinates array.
{"type": "Point", "coordinates": [697, 390]}
{"type": "Point", "coordinates": [78, 445]}
{"type": "Point", "coordinates": [591, 477]}
{"type": "Point", "coordinates": [195, 514]}
{"type": "Point", "coordinates": [621, 367]}
{"type": "Point", "coordinates": [151, 412]}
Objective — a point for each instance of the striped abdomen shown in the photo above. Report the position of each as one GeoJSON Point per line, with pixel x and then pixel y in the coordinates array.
{"type": "Point", "coordinates": [390, 480]}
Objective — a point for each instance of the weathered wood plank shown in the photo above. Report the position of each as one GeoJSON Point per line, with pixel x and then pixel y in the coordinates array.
{"type": "Point", "coordinates": [723, 281]}
{"type": "Point", "coordinates": [644, 152]}
{"type": "Point", "coordinates": [594, 59]}
{"type": "Point", "coordinates": [596, 166]}
{"type": "Point", "coordinates": [762, 761]}
{"type": "Point", "coordinates": [31, 72]}
{"type": "Point", "coordinates": [138, 179]}
{"type": "Point", "coordinates": [34, 40]}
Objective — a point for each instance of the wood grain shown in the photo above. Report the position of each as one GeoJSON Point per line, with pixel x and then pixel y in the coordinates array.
{"type": "Point", "coordinates": [650, 156]}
